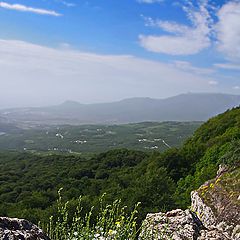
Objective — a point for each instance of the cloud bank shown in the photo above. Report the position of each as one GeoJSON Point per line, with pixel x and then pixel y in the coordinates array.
{"type": "Point", "coordinates": [38, 75]}
{"type": "Point", "coordinates": [228, 30]}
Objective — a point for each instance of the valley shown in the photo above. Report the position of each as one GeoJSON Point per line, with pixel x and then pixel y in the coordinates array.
{"type": "Point", "coordinates": [161, 181]}
{"type": "Point", "coordinates": [84, 139]}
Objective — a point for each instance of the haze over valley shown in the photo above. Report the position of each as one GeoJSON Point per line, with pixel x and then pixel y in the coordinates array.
{"type": "Point", "coordinates": [184, 107]}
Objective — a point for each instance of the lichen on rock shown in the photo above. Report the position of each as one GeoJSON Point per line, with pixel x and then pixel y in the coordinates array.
{"type": "Point", "coordinates": [214, 214]}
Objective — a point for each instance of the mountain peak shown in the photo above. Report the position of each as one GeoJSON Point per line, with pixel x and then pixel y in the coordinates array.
{"type": "Point", "coordinates": [70, 103]}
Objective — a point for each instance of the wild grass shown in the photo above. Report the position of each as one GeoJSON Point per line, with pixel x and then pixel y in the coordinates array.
{"type": "Point", "coordinates": [110, 222]}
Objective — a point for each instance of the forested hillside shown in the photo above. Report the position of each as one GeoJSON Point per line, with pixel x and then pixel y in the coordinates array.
{"type": "Point", "coordinates": [160, 181]}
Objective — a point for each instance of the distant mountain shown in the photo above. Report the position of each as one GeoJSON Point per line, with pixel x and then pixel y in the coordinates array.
{"type": "Point", "coordinates": [184, 107]}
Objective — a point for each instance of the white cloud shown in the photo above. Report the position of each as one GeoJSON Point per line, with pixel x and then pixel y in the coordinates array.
{"type": "Point", "coordinates": [181, 39]}
{"type": "Point", "coordinates": [65, 46]}
{"type": "Point", "coordinates": [210, 26]}
{"type": "Point", "coordinates": [236, 87]}
{"type": "Point", "coordinates": [37, 75]}
{"type": "Point", "coordinates": [228, 30]}
{"type": "Point", "coordinates": [172, 27]}
{"type": "Point", "coordinates": [229, 66]}
{"type": "Point", "coordinates": [150, 1]}
{"type": "Point", "coordinates": [187, 66]}
{"type": "Point", "coordinates": [68, 4]}
{"type": "Point", "coordinates": [214, 83]}
{"type": "Point", "coordinates": [23, 8]}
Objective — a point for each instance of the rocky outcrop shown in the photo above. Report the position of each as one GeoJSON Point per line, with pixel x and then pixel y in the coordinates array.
{"type": "Point", "coordinates": [202, 210]}
{"type": "Point", "coordinates": [179, 225]}
{"type": "Point", "coordinates": [176, 224]}
{"type": "Point", "coordinates": [217, 203]}
{"type": "Point", "coordinates": [20, 229]}
{"type": "Point", "coordinates": [214, 213]}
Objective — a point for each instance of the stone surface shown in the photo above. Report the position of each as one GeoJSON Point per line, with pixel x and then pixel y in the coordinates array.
{"type": "Point", "coordinates": [204, 212]}
{"type": "Point", "coordinates": [176, 224]}
{"type": "Point", "coordinates": [222, 169]}
{"type": "Point", "coordinates": [214, 214]}
{"type": "Point", "coordinates": [20, 229]}
{"type": "Point", "coordinates": [179, 225]}
{"type": "Point", "coordinates": [216, 203]}
{"type": "Point", "coordinates": [213, 234]}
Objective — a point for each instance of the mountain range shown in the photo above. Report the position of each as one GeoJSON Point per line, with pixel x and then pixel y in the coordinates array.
{"type": "Point", "coordinates": [184, 107]}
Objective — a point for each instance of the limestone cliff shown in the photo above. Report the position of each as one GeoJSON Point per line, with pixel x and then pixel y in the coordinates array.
{"type": "Point", "coordinates": [214, 213]}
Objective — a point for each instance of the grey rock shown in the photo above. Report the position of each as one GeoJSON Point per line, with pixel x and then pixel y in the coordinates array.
{"type": "Point", "coordinates": [176, 225]}
{"type": "Point", "coordinates": [204, 212]}
{"type": "Point", "coordinates": [214, 214]}
{"type": "Point", "coordinates": [213, 234]}
{"type": "Point", "coordinates": [221, 169]}
{"type": "Point", "coordinates": [236, 233]}
{"type": "Point", "coordinates": [20, 229]}
{"type": "Point", "coordinates": [179, 225]}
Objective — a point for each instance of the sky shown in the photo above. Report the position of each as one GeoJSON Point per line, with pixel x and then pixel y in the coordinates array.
{"type": "Point", "coordinates": [107, 50]}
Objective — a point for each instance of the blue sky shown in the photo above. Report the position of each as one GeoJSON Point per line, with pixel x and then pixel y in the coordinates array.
{"type": "Point", "coordinates": [106, 50]}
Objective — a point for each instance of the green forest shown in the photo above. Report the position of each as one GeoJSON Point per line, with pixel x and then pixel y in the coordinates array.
{"type": "Point", "coordinates": [29, 182]}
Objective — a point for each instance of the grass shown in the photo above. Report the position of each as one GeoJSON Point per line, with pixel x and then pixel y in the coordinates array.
{"type": "Point", "coordinates": [110, 222]}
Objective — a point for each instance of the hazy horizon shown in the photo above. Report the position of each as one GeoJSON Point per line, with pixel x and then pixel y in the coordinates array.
{"type": "Point", "coordinates": [117, 100]}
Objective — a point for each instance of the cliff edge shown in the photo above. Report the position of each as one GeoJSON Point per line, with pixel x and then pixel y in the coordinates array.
{"type": "Point", "coordinates": [214, 213]}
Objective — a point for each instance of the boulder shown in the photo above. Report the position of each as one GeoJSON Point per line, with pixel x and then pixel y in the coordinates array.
{"type": "Point", "coordinates": [20, 229]}
{"type": "Point", "coordinates": [176, 224]}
